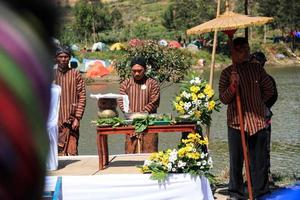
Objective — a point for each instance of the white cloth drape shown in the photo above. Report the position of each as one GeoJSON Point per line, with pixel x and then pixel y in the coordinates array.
{"type": "Point", "coordinates": [52, 127]}
{"type": "Point", "coordinates": [135, 187]}
{"type": "Point", "coordinates": [114, 96]}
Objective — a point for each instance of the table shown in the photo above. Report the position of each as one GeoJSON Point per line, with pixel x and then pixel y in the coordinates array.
{"type": "Point", "coordinates": [103, 132]}
{"type": "Point", "coordinates": [133, 187]}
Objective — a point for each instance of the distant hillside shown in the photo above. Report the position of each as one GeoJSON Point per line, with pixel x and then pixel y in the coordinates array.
{"type": "Point", "coordinates": [132, 10]}
{"type": "Point", "coordinates": [141, 10]}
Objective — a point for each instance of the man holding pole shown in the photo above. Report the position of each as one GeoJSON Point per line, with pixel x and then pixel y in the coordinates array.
{"type": "Point", "coordinates": [246, 115]}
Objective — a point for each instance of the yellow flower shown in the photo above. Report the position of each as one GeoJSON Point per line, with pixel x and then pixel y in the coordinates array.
{"type": "Point", "coordinates": [198, 114]}
{"type": "Point", "coordinates": [178, 98]}
{"type": "Point", "coordinates": [211, 105]}
{"type": "Point", "coordinates": [153, 156]}
{"type": "Point", "coordinates": [204, 141]}
{"type": "Point", "coordinates": [178, 107]}
{"type": "Point", "coordinates": [208, 91]}
{"type": "Point", "coordinates": [194, 97]}
{"type": "Point", "coordinates": [181, 152]}
{"type": "Point", "coordinates": [181, 103]}
{"type": "Point", "coordinates": [145, 169]}
{"type": "Point", "coordinates": [194, 155]}
{"type": "Point", "coordinates": [201, 95]}
{"type": "Point", "coordinates": [194, 89]}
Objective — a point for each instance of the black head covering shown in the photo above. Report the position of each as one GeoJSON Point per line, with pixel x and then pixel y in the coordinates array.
{"type": "Point", "coordinates": [61, 50]}
{"type": "Point", "coordinates": [239, 41]}
{"type": "Point", "coordinates": [138, 60]}
{"type": "Point", "coordinates": [259, 56]}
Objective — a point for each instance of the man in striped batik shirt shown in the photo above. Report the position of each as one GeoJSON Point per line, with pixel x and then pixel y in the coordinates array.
{"type": "Point", "coordinates": [144, 95]}
{"type": "Point", "coordinates": [255, 88]}
{"type": "Point", "coordinates": [72, 103]}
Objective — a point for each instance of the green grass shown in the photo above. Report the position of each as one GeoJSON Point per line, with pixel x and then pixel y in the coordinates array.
{"type": "Point", "coordinates": [103, 55]}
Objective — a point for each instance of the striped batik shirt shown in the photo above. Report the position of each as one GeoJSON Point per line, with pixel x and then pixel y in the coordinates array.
{"type": "Point", "coordinates": [73, 97]}
{"type": "Point", "coordinates": [143, 95]}
{"type": "Point", "coordinates": [255, 89]}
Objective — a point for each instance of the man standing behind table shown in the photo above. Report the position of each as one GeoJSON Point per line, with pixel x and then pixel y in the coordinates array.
{"type": "Point", "coordinates": [255, 89]}
{"type": "Point", "coordinates": [144, 95]}
{"type": "Point", "coordinates": [72, 103]}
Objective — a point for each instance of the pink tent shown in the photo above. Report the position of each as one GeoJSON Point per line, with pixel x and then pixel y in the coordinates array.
{"type": "Point", "coordinates": [135, 42]}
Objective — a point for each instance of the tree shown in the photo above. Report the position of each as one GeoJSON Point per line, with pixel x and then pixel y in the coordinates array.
{"type": "Point", "coordinates": [91, 17]}
{"type": "Point", "coordinates": [116, 18]}
{"type": "Point", "coordinates": [285, 12]}
{"type": "Point", "coordinates": [183, 14]}
{"type": "Point", "coordinates": [167, 65]}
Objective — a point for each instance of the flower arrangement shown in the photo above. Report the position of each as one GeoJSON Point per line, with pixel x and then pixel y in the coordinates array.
{"type": "Point", "coordinates": [190, 157]}
{"type": "Point", "coordinates": [195, 101]}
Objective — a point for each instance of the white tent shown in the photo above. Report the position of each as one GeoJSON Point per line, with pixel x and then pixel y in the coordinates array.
{"type": "Point", "coordinates": [99, 46]}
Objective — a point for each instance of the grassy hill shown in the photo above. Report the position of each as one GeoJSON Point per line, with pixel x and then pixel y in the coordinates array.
{"type": "Point", "coordinates": [144, 17]}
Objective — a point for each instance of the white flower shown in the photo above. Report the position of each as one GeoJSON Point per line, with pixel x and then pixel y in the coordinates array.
{"type": "Point", "coordinates": [209, 161]}
{"type": "Point", "coordinates": [187, 105]}
{"type": "Point", "coordinates": [192, 81]}
{"type": "Point", "coordinates": [201, 167]}
{"type": "Point", "coordinates": [202, 155]}
{"type": "Point", "coordinates": [147, 162]}
{"type": "Point", "coordinates": [198, 163]}
{"type": "Point", "coordinates": [181, 164]}
{"type": "Point", "coordinates": [190, 112]}
{"type": "Point", "coordinates": [173, 156]}
{"type": "Point", "coordinates": [169, 166]}
{"type": "Point", "coordinates": [204, 162]}
{"type": "Point", "coordinates": [173, 170]}
{"type": "Point", "coordinates": [206, 104]}
{"type": "Point", "coordinates": [197, 80]}
{"type": "Point", "coordinates": [186, 95]}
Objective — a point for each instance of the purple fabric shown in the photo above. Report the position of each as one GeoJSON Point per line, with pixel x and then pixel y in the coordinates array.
{"type": "Point", "coordinates": [13, 43]}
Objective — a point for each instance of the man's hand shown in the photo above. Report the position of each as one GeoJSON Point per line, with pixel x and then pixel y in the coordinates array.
{"type": "Point", "coordinates": [234, 81]}
{"type": "Point", "coordinates": [75, 124]}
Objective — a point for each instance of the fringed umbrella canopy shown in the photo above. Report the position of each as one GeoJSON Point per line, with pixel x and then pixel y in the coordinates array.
{"type": "Point", "coordinates": [229, 21]}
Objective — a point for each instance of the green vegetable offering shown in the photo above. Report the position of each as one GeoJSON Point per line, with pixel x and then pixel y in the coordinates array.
{"type": "Point", "coordinates": [114, 122]}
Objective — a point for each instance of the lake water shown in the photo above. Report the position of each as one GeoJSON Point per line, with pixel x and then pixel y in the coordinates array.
{"type": "Point", "coordinates": [285, 149]}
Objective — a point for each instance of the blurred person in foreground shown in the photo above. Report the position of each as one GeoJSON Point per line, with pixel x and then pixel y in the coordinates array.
{"type": "Point", "coordinates": [72, 103]}
{"type": "Point", "coordinates": [256, 89]}
{"type": "Point", "coordinates": [144, 96]}
{"type": "Point", "coordinates": [260, 58]}
{"type": "Point", "coordinates": [25, 36]}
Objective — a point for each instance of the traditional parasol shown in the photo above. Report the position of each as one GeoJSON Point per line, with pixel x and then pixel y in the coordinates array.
{"type": "Point", "coordinates": [226, 22]}
{"type": "Point", "coordinates": [230, 21]}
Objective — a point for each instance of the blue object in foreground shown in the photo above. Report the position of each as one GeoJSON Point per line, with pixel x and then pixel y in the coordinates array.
{"type": "Point", "coordinates": [288, 193]}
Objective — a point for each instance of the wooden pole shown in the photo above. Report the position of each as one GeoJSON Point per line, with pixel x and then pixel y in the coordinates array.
{"type": "Point", "coordinates": [212, 64]}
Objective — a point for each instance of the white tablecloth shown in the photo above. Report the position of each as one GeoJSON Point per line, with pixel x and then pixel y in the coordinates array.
{"type": "Point", "coordinates": [134, 187]}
